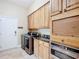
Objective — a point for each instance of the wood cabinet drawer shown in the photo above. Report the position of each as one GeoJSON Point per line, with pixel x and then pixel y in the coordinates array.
{"type": "Point", "coordinates": [46, 44]}
{"type": "Point", "coordinates": [41, 42]}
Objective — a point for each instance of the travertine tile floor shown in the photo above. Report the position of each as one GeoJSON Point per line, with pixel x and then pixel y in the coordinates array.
{"type": "Point", "coordinates": [16, 53]}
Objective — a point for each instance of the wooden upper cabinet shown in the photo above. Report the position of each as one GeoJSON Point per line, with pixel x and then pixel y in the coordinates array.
{"type": "Point", "coordinates": [31, 21]}
{"type": "Point", "coordinates": [66, 29]}
{"type": "Point", "coordinates": [71, 4]}
{"type": "Point", "coordinates": [36, 20]}
{"type": "Point", "coordinates": [56, 7]}
{"type": "Point", "coordinates": [42, 17]}
{"type": "Point", "coordinates": [46, 19]}
{"type": "Point", "coordinates": [70, 27]}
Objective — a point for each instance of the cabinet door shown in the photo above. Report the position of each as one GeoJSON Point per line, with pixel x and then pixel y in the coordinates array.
{"type": "Point", "coordinates": [36, 21]}
{"type": "Point", "coordinates": [56, 7]}
{"type": "Point", "coordinates": [70, 27]}
{"type": "Point", "coordinates": [30, 21]}
{"type": "Point", "coordinates": [70, 40]}
{"type": "Point", "coordinates": [42, 17]}
{"type": "Point", "coordinates": [36, 46]}
{"type": "Point", "coordinates": [41, 52]}
{"type": "Point", "coordinates": [46, 52]}
{"type": "Point", "coordinates": [71, 4]}
{"type": "Point", "coordinates": [46, 13]}
{"type": "Point", "coordinates": [38, 17]}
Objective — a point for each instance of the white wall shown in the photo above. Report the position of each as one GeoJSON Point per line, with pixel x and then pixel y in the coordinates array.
{"type": "Point", "coordinates": [13, 10]}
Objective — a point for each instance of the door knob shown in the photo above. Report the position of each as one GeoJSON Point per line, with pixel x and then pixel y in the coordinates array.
{"type": "Point", "coordinates": [15, 33]}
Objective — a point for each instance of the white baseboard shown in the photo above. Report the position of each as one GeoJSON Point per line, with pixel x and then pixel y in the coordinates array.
{"type": "Point", "coordinates": [4, 49]}
{"type": "Point", "coordinates": [18, 46]}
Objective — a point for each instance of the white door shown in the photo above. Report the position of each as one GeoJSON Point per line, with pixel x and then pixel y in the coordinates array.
{"type": "Point", "coordinates": [8, 33]}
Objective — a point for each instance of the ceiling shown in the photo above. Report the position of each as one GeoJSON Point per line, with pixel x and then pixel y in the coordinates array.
{"type": "Point", "coordinates": [23, 3]}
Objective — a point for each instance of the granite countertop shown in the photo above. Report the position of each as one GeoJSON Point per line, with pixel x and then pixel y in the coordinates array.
{"type": "Point", "coordinates": [43, 39]}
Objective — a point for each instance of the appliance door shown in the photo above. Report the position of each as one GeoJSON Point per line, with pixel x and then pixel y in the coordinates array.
{"type": "Point", "coordinates": [60, 55]}
{"type": "Point", "coordinates": [54, 57]}
{"type": "Point", "coordinates": [26, 42]}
